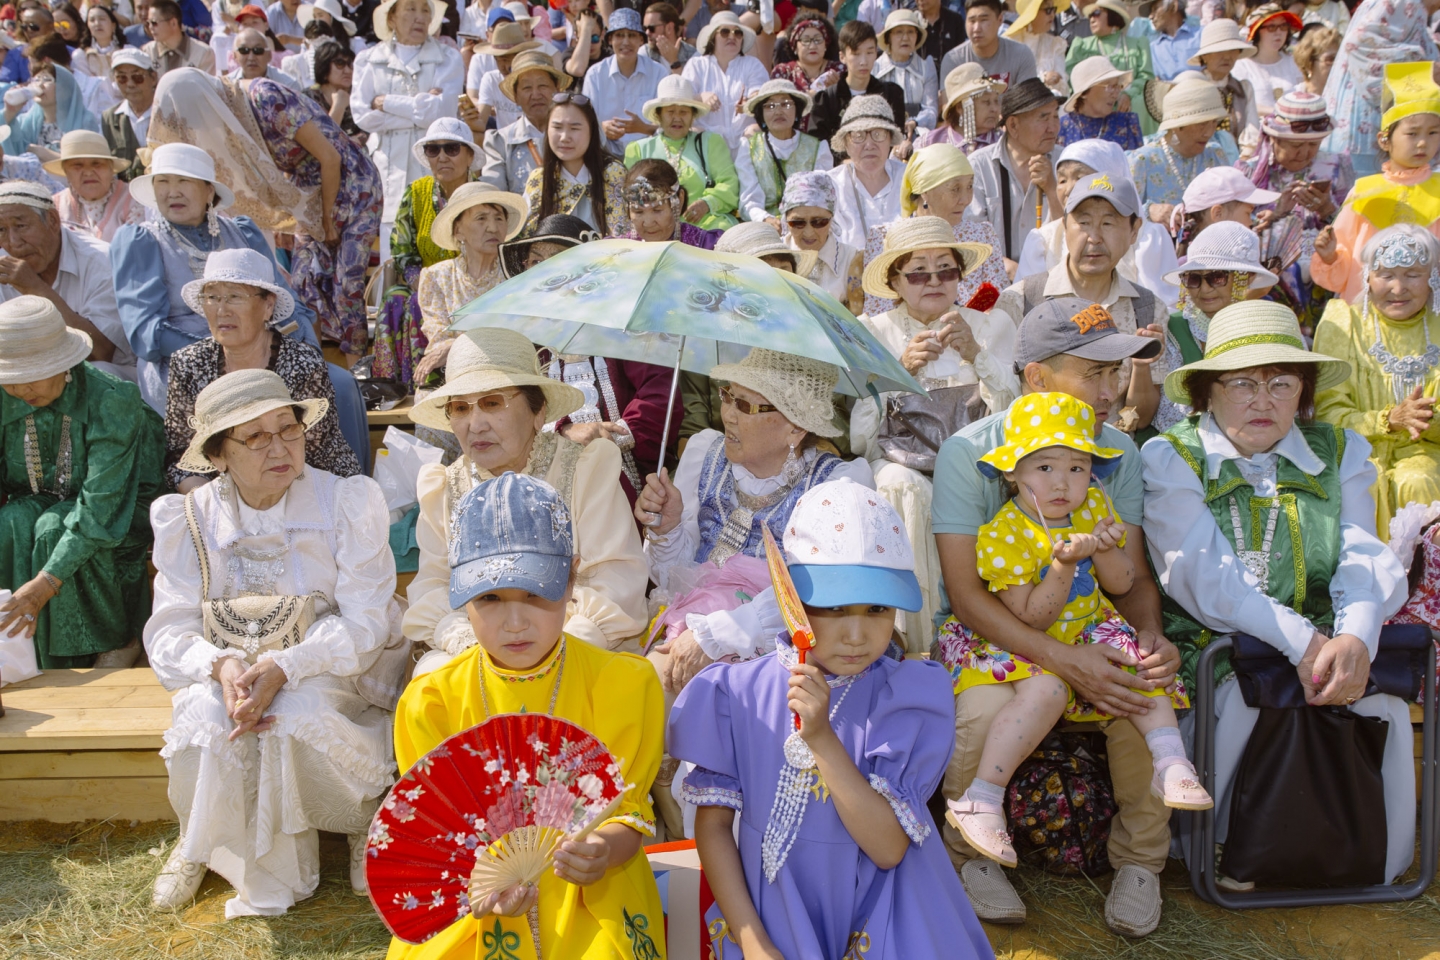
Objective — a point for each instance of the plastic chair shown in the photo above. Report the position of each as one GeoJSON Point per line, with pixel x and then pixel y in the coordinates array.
{"type": "Point", "coordinates": [1203, 872]}
{"type": "Point", "coordinates": [350, 408]}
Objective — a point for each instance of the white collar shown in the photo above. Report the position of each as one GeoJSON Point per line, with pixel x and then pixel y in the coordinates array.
{"type": "Point", "coordinates": [1059, 284]}
{"type": "Point", "coordinates": [1218, 449]}
{"type": "Point", "coordinates": [582, 177]}
{"type": "Point", "coordinates": [129, 111]}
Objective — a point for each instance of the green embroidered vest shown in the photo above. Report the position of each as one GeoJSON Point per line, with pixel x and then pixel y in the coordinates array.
{"type": "Point", "coordinates": [1305, 550]}
{"type": "Point", "coordinates": [1190, 351]}
{"type": "Point", "coordinates": [772, 176]}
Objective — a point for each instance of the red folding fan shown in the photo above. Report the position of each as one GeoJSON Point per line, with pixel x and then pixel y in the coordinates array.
{"type": "Point", "coordinates": [984, 298]}
{"type": "Point", "coordinates": [493, 801]}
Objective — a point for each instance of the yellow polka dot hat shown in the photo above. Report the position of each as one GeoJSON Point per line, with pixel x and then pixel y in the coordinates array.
{"type": "Point", "coordinates": [1040, 420]}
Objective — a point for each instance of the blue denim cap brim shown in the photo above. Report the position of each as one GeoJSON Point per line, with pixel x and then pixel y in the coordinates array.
{"type": "Point", "coordinates": [841, 585]}
{"type": "Point", "coordinates": [541, 574]}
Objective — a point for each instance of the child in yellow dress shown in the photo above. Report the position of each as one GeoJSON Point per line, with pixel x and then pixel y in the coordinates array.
{"type": "Point", "coordinates": [1051, 554]}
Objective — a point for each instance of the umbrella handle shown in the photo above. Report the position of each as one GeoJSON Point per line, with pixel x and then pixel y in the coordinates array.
{"type": "Point", "coordinates": [670, 405]}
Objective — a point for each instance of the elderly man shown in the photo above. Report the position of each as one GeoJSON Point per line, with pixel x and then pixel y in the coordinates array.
{"type": "Point", "coordinates": [96, 202]}
{"type": "Point", "coordinates": [511, 152]}
{"type": "Point", "coordinates": [252, 58]}
{"type": "Point", "coordinates": [126, 125]}
{"type": "Point", "coordinates": [1102, 222]}
{"type": "Point", "coordinates": [44, 259]}
{"type": "Point", "coordinates": [170, 47]}
{"type": "Point", "coordinates": [619, 85]}
{"type": "Point", "coordinates": [1015, 187]}
{"type": "Point", "coordinates": [1065, 346]}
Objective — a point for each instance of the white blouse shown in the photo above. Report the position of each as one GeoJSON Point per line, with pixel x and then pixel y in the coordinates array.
{"type": "Point", "coordinates": [732, 85]}
{"type": "Point", "coordinates": [856, 210]}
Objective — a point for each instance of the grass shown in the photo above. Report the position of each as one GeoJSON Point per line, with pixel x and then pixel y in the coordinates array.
{"type": "Point", "coordinates": [74, 891]}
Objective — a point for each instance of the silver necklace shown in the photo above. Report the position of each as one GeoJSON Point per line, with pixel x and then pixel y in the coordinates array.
{"type": "Point", "coordinates": [1256, 561]}
{"type": "Point", "coordinates": [1407, 372]}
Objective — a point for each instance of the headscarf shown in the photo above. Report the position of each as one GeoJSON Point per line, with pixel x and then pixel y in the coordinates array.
{"type": "Point", "coordinates": [70, 114]}
{"type": "Point", "coordinates": [1102, 156]}
{"type": "Point", "coordinates": [214, 114]}
{"type": "Point", "coordinates": [813, 188]}
{"type": "Point", "coordinates": [928, 168]}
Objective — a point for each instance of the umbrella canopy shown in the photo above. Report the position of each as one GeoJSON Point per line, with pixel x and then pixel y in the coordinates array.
{"type": "Point", "coordinates": [649, 301]}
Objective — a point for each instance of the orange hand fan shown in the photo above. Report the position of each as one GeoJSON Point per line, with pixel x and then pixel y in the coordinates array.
{"type": "Point", "coordinates": [792, 611]}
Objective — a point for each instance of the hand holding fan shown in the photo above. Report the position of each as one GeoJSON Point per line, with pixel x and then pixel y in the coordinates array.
{"type": "Point", "coordinates": [481, 812]}
{"type": "Point", "coordinates": [792, 611]}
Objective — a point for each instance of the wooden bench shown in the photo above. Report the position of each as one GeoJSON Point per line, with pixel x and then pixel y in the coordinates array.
{"type": "Point", "coordinates": [84, 744]}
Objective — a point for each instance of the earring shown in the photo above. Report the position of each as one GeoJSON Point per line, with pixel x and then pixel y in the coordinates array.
{"type": "Point", "coordinates": [793, 469]}
{"type": "Point", "coordinates": [213, 219]}
{"type": "Point", "coordinates": [1239, 286]}
{"type": "Point", "coordinates": [222, 484]}
{"type": "Point", "coordinates": [68, 377]}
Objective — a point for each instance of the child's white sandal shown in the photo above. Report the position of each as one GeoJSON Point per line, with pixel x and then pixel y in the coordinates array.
{"type": "Point", "coordinates": [1181, 793]}
{"type": "Point", "coordinates": [965, 815]}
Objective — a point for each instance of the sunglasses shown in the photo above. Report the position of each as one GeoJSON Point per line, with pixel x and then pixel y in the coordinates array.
{"type": "Point", "coordinates": [814, 223]}
{"type": "Point", "coordinates": [1319, 125]}
{"type": "Point", "coordinates": [251, 51]}
{"type": "Point", "coordinates": [30, 27]}
{"type": "Point", "coordinates": [921, 278]}
{"type": "Point", "coordinates": [1215, 279]}
{"type": "Point", "coordinates": [579, 99]}
{"type": "Point", "coordinates": [745, 406]}
{"type": "Point", "coordinates": [450, 149]}
{"type": "Point", "coordinates": [725, 33]}
{"type": "Point", "coordinates": [652, 27]}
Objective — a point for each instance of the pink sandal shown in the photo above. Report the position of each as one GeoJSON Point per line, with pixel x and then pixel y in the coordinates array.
{"type": "Point", "coordinates": [965, 815]}
{"type": "Point", "coordinates": [1185, 793]}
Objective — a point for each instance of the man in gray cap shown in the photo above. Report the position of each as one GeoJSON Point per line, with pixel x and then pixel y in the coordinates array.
{"type": "Point", "coordinates": [1015, 176]}
{"type": "Point", "coordinates": [1073, 346]}
{"type": "Point", "coordinates": [127, 124]}
{"type": "Point", "coordinates": [1102, 222]}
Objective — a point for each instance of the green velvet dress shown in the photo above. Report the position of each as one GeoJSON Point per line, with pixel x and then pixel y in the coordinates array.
{"type": "Point", "coordinates": [95, 538]}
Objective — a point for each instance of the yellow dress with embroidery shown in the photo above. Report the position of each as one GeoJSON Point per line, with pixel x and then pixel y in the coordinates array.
{"type": "Point", "coordinates": [615, 696]}
{"type": "Point", "coordinates": [1012, 549]}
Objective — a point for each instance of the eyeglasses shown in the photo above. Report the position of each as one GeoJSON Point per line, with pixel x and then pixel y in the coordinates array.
{"type": "Point", "coordinates": [231, 300]}
{"type": "Point", "coordinates": [877, 135]}
{"type": "Point", "coordinates": [652, 27]}
{"type": "Point", "coordinates": [1214, 279]}
{"type": "Point", "coordinates": [30, 27]}
{"type": "Point", "coordinates": [263, 439]}
{"type": "Point", "coordinates": [152, 24]}
{"type": "Point", "coordinates": [814, 223]}
{"type": "Point", "coordinates": [449, 148]}
{"type": "Point", "coordinates": [64, 25]}
{"type": "Point", "coordinates": [1245, 390]}
{"type": "Point", "coordinates": [1047, 10]}
{"type": "Point", "coordinates": [489, 404]}
{"type": "Point", "coordinates": [251, 51]}
{"type": "Point", "coordinates": [127, 77]}
{"type": "Point", "coordinates": [922, 278]}
{"type": "Point", "coordinates": [778, 103]}
{"type": "Point", "coordinates": [745, 406]}
{"type": "Point", "coordinates": [725, 33]}
{"type": "Point", "coordinates": [564, 97]}
{"type": "Point", "coordinates": [811, 41]}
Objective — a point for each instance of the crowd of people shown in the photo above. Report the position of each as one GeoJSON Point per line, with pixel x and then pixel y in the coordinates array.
{"type": "Point", "coordinates": [1174, 265]}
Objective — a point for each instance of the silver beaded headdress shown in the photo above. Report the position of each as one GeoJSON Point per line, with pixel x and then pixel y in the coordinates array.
{"type": "Point", "coordinates": [642, 193]}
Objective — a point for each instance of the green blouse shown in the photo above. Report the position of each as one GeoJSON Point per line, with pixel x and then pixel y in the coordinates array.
{"type": "Point", "coordinates": [723, 197]}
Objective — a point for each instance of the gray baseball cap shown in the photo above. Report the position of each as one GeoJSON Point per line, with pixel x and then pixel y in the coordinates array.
{"type": "Point", "coordinates": [1120, 193]}
{"type": "Point", "coordinates": [1081, 329]}
{"type": "Point", "coordinates": [511, 532]}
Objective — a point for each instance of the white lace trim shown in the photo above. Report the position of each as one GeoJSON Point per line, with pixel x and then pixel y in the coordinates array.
{"type": "Point", "coordinates": [311, 732]}
{"type": "Point", "coordinates": [911, 824]}
{"type": "Point", "coordinates": [712, 797]}
{"type": "Point", "coordinates": [646, 827]}
{"type": "Point", "coordinates": [206, 736]}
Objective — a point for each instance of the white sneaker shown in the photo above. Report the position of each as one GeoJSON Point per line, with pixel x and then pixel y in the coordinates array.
{"type": "Point", "coordinates": [357, 865]}
{"type": "Point", "coordinates": [178, 882]}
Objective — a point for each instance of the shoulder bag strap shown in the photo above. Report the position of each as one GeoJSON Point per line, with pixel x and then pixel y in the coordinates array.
{"type": "Point", "coordinates": [1005, 202]}
{"type": "Point", "coordinates": [704, 164]}
{"type": "Point", "coordinates": [199, 542]}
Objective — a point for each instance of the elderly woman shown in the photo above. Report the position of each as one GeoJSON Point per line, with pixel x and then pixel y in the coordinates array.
{"type": "Point", "coordinates": [655, 202]}
{"type": "Point", "coordinates": [1228, 563]}
{"type": "Point", "coordinates": [808, 213]}
{"type": "Point", "coordinates": [454, 160]}
{"type": "Point", "coordinates": [576, 175]}
{"type": "Point", "coordinates": [496, 400]}
{"type": "Point", "coordinates": [1312, 183]}
{"type": "Point", "coordinates": [702, 160]}
{"type": "Point", "coordinates": [1110, 38]}
{"type": "Point", "coordinates": [777, 150]}
{"type": "Point", "coordinates": [963, 357]}
{"type": "Point", "coordinates": [868, 187]}
{"type": "Point", "coordinates": [280, 542]}
{"type": "Point", "coordinates": [939, 182]}
{"type": "Point", "coordinates": [82, 465]}
{"type": "Point", "coordinates": [474, 223]}
{"type": "Point", "coordinates": [153, 260]}
{"type": "Point", "coordinates": [1163, 167]}
{"type": "Point", "coordinates": [1388, 338]}
{"type": "Point", "coordinates": [726, 74]}
{"type": "Point", "coordinates": [242, 303]}
{"type": "Point", "coordinates": [403, 84]}
{"type": "Point", "coordinates": [1093, 112]}
{"type": "Point", "coordinates": [970, 118]}
{"type": "Point", "coordinates": [97, 202]}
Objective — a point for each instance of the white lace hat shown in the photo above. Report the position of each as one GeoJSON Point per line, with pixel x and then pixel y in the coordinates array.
{"type": "Point", "coordinates": [238, 398]}
{"type": "Point", "coordinates": [35, 343]}
{"type": "Point", "coordinates": [181, 160]}
{"type": "Point", "coordinates": [673, 90]}
{"type": "Point", "coordinates": [1225, 246]}
{"type": "Point", "coordinates": [799, 387]}
{"type": "Point", "coordinates": [491, 359]}
{"type": "Point", "coordinates": [243, 266]}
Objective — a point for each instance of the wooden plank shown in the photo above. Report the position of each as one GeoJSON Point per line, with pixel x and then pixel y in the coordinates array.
{"type": "Point", "coordinates": [67, 800]}
{"type": "Point", "coordinates": [84, 729]}
{"type": "Point", "coordinates": [81, 765]}
{"type": "Point", "coordinates": [87, 677]}
{"type": "Point", "coordinates": [398, 415]}
{"type": "Point", "coordinates": [1417, 714]}
{"type": "Point", "coordinates": [96, 698]}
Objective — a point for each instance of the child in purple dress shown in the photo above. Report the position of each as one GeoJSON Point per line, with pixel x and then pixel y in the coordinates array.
{"type": "Point", "coordinates": [837, 855]}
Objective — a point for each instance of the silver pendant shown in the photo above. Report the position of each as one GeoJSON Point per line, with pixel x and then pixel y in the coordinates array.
{"type": "Point", "coordinates": [1258, 563]}
{"type": "Point", "coordinates": [797, 752]}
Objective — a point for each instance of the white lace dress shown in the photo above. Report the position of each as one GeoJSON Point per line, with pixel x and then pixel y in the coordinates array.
{"type": "Point", "coordinates": [250, 808]}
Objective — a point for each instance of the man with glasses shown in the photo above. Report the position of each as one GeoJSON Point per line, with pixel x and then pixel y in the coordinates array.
{"type": "Point", "coordinates": [35, 20]}
{"type": "Point", "coordinates": [171, 48]}
{"type": "Point", "coordinates": [665, 32]}
{"type": "Point", "coordinates": [619, 85]}
{"type": "Point", "coordinates": [253, 56]}
{"type": "Point", "coordinates": [127, 124]}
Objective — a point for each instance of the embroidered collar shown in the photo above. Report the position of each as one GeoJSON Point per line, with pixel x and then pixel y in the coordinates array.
{"type": "Point", "coordinates": [540, 669]}
{"type": "Point", "coordinates": [1218, 449]}
{"type": "Point", "coordinates": [308, 504]}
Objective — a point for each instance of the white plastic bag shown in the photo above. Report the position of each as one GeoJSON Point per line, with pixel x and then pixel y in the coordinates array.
{"type": "Point", "coordinates": [17, 652]}
{"type": "Point", "coordinates": [398, 465]}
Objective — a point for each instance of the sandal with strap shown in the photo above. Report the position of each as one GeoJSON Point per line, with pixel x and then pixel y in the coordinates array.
{"type": "Point", "coordinates": [969, 817]}
{"type": "Point", "coordinates": [1184, 793]}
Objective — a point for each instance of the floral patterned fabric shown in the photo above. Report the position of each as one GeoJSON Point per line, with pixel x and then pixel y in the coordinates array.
{"type": "Point", "coordinates": [1121, 128]}
{"type": "Point", "coordinates": [570, 195]}
{"type": "Point", "coordinates": [1424, 603]}
{"type": "Point", "coordinates": [1059, 805]}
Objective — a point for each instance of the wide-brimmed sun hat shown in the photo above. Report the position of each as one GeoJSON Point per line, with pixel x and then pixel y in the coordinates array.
{"type": "Point", "coordinates": [755, 239]}
{"type": "Point", "coordinates": [724, 19]}
{"type": "Point", "coordinates": [1155, 90]}
{"type": "Point", "coordinates": [478, 194]}
{"type": "Point", "coordinates": [867, 112]}
{"type": "Point", "coordinates": [1028, 10]}
{"type": "Point", "coordinates": [909, 236]}
{"type": "Point", "coordinates": [799, 387]}
{"type": "Point", "coordinates": [673, 91]}
{"type": "Point", "coordinates": [1267, 12]}
{"type": "Point", "coordinates": [379, 19]}
{"type": "Point", "coordinates": [83, 145]}
{"type": "Point", "coordinates": [529, 61]}
{"type": "Point", "coordinates": [506, 39]}
{"type": "Point", "coordinates": [1040, 420]}
{"type": "Point", "coordinates": [235, 399]}
{"type": "Point", "coordinates": [448, 130]}
{"type": "Point", "coordinates": [1218, 37]}
{"type": "Point", "coordinates": [1225, 246]}
{"type": "Point", "coordinates": [35, 343]}
{"type": "Point", "coordinates": [1255, 333]}
{"type": "Point", "coordinates": [966, 81]}
{"type": "Point", "coordinates": [1193, 102]}
{"type": "Point", "coordinates": [332, 7]}
{"type": "Point", "coordinates": [180, 160]}
{"type": "Point", "coordinates": [1091, 72]}
{"type": "Point", "coordinates": [902, 18]}
{"type": "Point", "coordinates": [1114, 5]}
{"type": "Point", "coordinates": [777, 88]}
{"type": "Point", "coordinates": [244, 266]}
{"type": "Point", "coordinates": [1299, 115]}
{"type": "Point", "coordinates": [484, 361]}
{"type": "Point", "coordinates": [559, 228]}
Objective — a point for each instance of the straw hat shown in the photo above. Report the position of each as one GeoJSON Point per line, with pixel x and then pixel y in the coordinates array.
{"type": "Point", "coordinates": [332, 7]}
{"type": "Point", "coordinates": [1114, 5]}
{"type": "Point", "coordinates": [506, 39]}
{"type": "Point", "coordinates": [1029, 10]}
{"type": "Point", "coordinates": [504, 359]}
{"type": "Point", "coordinates": [1255, 333]}
{"type": "Point", "coordinates": [1040, 420]}
{"type": "Point", "coordinates": [908, 236]}
{"type": "Point", "coordinates": [868, 112]}
{"type": "Point", "coordinates": [799, 387]}
{"type": "Point", "coordinates": [757, 239]}
{"type": "Point", "coordinates": [238, 398]}
{"type": "Point", "coordinates": [181, 160]}
{"type": "Point", "coordinates": [1264, 13]}
{"type": "Point", "coordinates": [724, 19]}
{"type": "Point", "coordinates": [1190, 103]}
{"type": "Point", "coordinates": [1225, 246]}
{"type": "Point", "coordinates": [968, 80]}
{"type": "Point", "coordinates": [35, 343]}
{"type": "Point", "coordinates": [448, 130]}
{"type": "Point", "coordinates": [382, 13]}
{"type": "Point", "coordinates": [477, 194]}
{"type": "Point", "coordinates": [1091, 72]}
{"type": "Point", "coordinates": [533, 60]}
{"type": "Point", "coordinates": [673, 91]}
{"type": "Point", "coordinates": [777, 88]}
{"type": "Point", "coordinates": [1219, 36]}
{"type": "Point", "coordinates": [83, 145]}
{"type": "Point", "coordinates": [902, 18]}
{"type": "Point", "coordinates": [244, 266]}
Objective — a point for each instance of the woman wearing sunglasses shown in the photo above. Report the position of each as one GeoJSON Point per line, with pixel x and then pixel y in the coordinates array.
{"type": "Point", "coordinates": [576, 175]}
{"type": "Point", "coordinates": [806, 212]}
{"type": "Point", "coordinates": [725, 72]}
{"type": "Point", "coordinates": [964, 358]}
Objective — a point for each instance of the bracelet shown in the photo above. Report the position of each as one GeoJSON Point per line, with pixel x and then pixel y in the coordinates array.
{"type": "Point", "coordinates": [50, 579]}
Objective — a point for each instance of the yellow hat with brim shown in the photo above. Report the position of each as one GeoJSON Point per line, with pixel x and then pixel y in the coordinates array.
{"type": "Point", "coordinates": [1409, 89]}
{"type": "Point", "coordinates": [1029, 10]}
{"type": "Point", "coordinates": [1038, 421]}
{"type": "Point", "coordinates": [911, 236]}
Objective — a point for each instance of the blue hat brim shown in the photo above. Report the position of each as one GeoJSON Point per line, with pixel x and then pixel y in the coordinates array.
{"type": "Point", "coordinates": [543, 575]}
{"type": "Point", "coordinates": [841, 585]}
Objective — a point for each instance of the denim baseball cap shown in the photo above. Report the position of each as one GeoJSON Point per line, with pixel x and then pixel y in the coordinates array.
{"type": "Point", "coordinates": [1078, 327]}
{"type": "Point", "coordinates": [845, 545]}
{"type": "Point", "coordinates": [511, 533]}
{"type": "Point", "coordinates": [497, 14]}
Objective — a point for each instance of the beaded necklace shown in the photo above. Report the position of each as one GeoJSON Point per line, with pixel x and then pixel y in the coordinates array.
{"type": "Point", "coordinates": [524, 678]}
{"type": "Point", "coordinates": [61, 486]}
{"type": "Point", "coordinates": [1407, 372]}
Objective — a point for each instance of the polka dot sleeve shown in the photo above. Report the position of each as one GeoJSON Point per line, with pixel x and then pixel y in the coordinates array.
{"type": "Point", "coordinates": [1011, 549]}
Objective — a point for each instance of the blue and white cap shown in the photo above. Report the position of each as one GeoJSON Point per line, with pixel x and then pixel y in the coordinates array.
{"type": "Point", "coordinates": [511, 533]}
{"type": "Point", "coordinates": [845, 544]}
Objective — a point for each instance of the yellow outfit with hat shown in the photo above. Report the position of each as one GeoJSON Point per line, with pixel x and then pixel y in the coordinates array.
{"type": "Point", "coordinates": [1398, 195]}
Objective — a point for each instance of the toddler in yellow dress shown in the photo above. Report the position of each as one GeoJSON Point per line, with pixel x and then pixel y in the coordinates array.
{"type": "Point", "coordinates": [1051, 554]}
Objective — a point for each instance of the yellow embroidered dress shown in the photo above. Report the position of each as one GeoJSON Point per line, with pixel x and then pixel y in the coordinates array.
{"type": "Point", "coordinates": [615, 696]}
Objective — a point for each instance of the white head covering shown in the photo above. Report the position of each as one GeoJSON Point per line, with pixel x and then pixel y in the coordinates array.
{"type": "Point", "coordinates": [1102, 156]}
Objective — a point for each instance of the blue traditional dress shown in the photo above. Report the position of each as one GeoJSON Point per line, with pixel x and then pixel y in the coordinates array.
{"type": "Point", "coordinates": [1118, 127]}
{"type": "Point", "coordinates": [1161, 174]}
{"type": "Point", "coordinates": [823, 897]}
